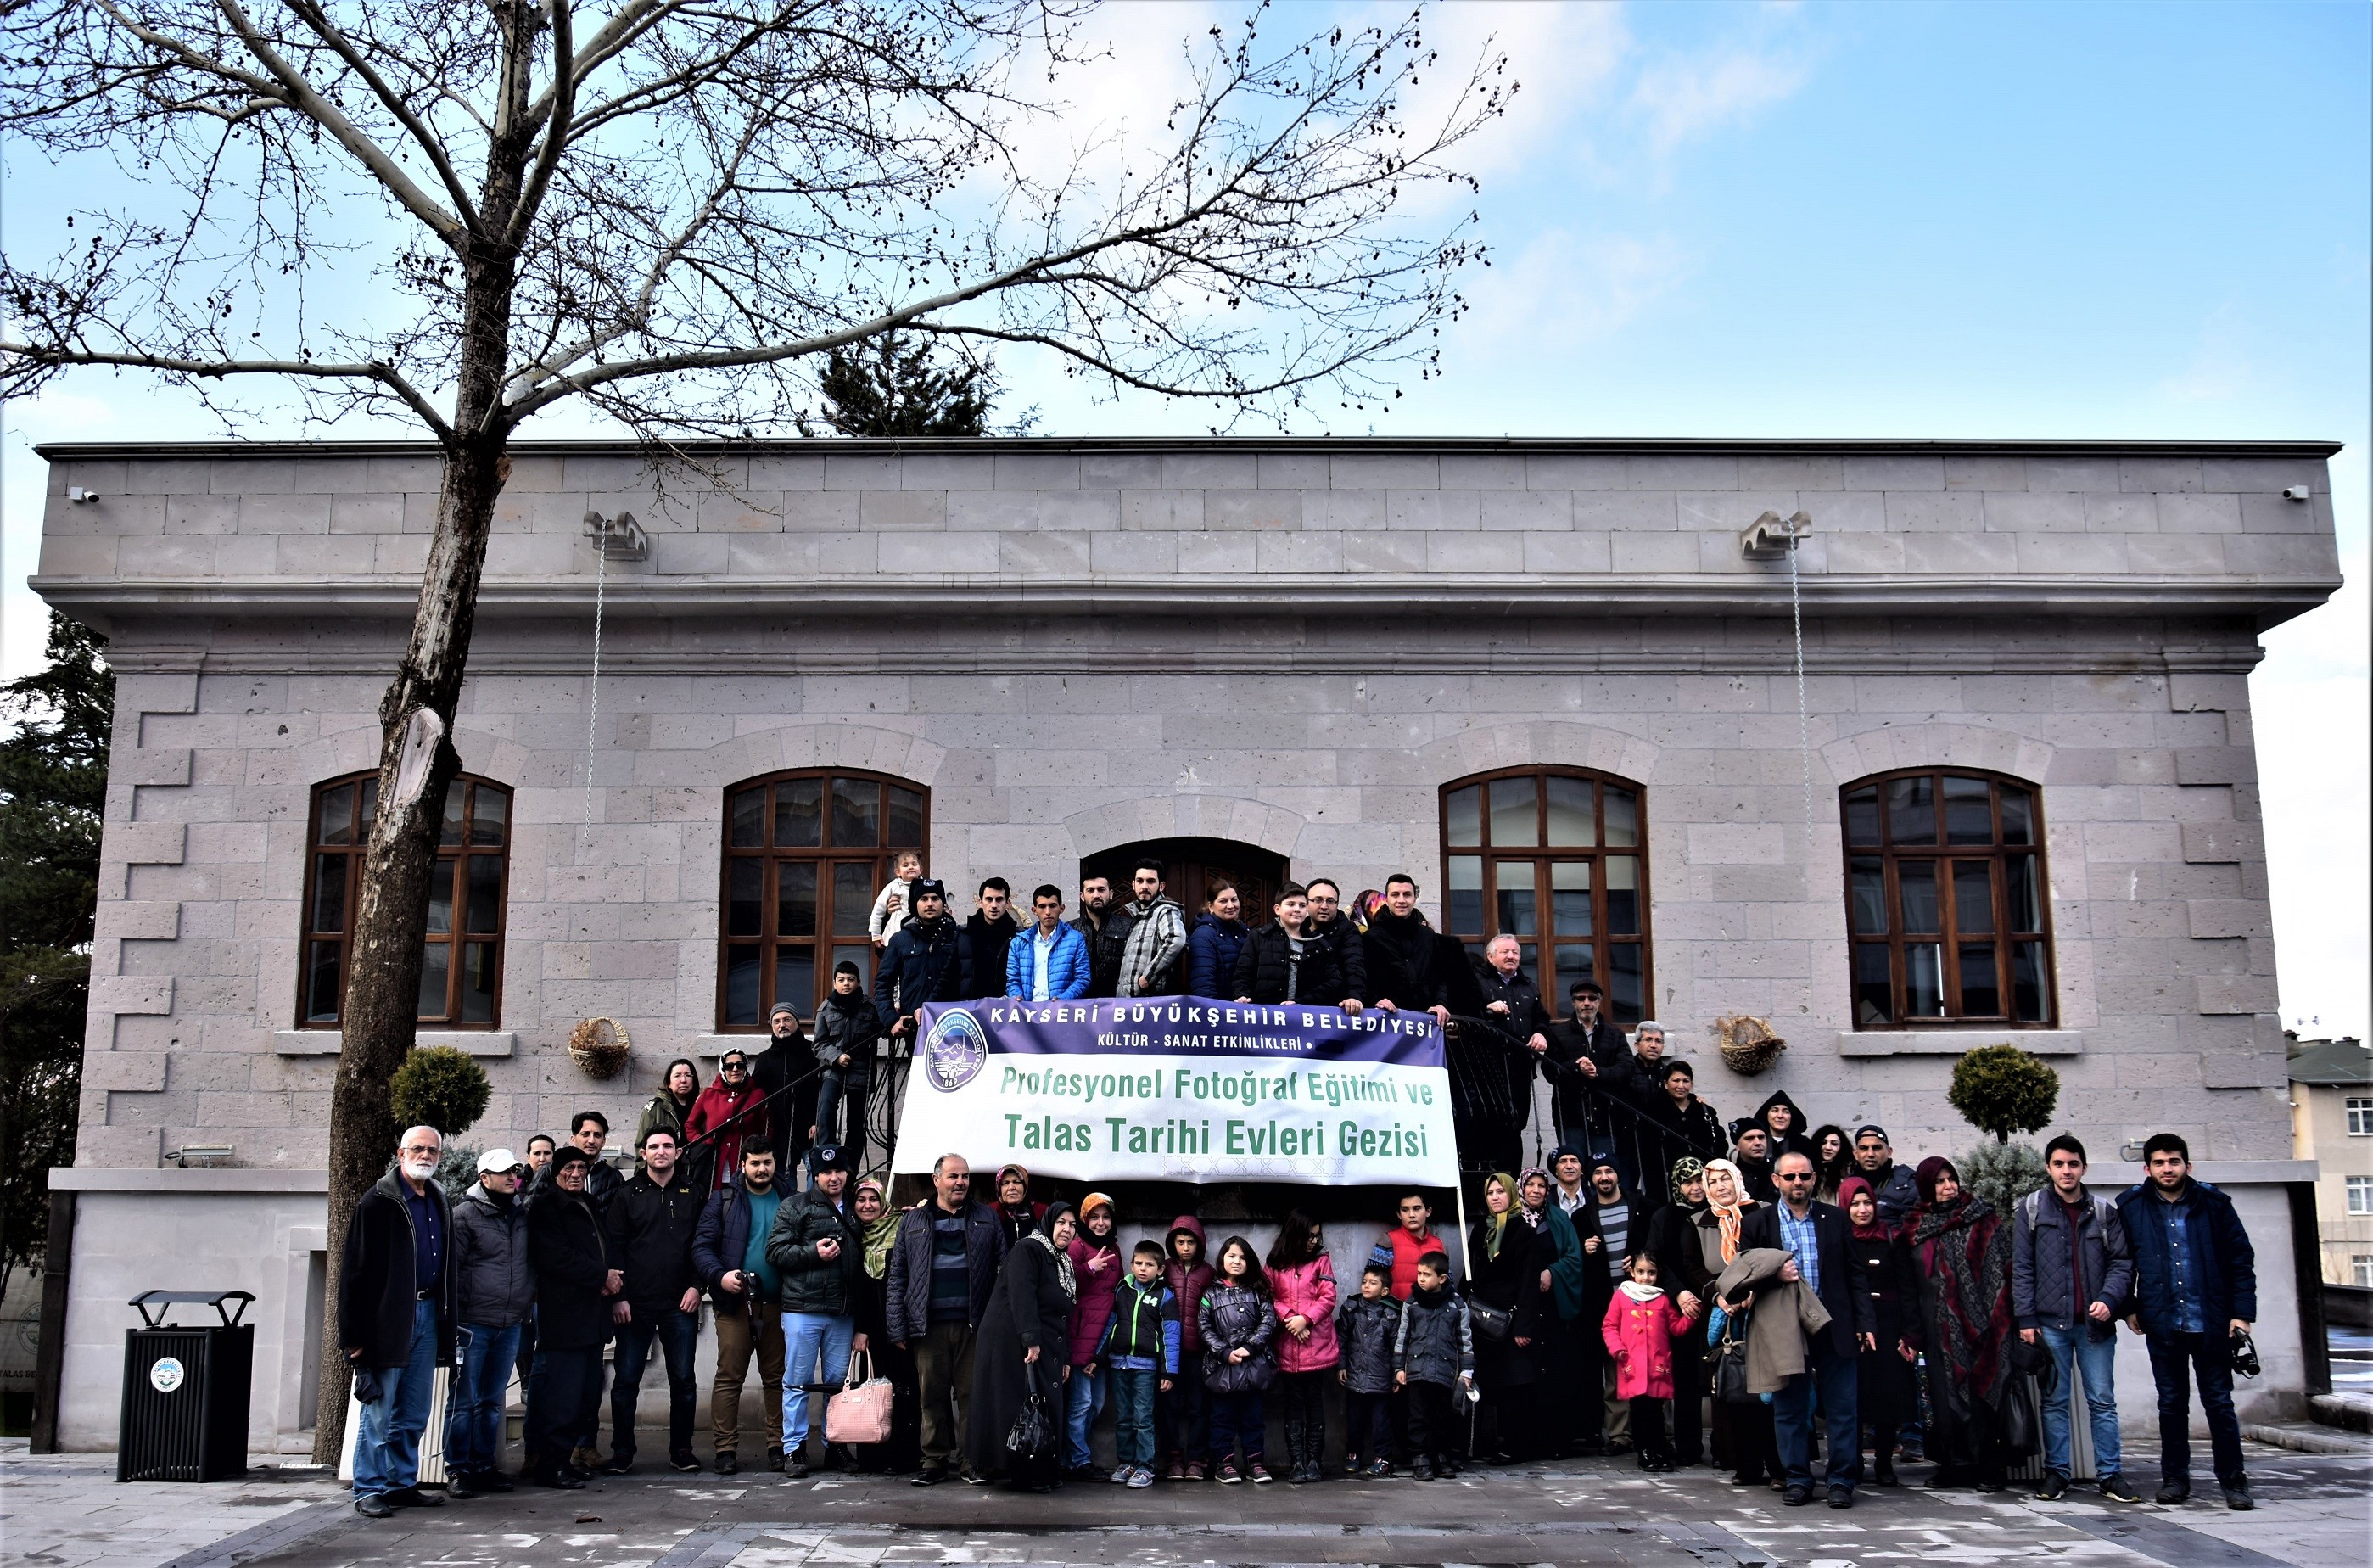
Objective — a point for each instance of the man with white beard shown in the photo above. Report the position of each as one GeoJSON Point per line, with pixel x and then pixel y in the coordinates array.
{"type": "Point", "coordinates": [396, 1320]}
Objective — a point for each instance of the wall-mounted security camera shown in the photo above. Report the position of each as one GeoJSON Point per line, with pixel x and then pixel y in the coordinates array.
{"type": "Point", "coordinates": [2296, 493]}
{"type": "Point", "coordinates": [75, 492]}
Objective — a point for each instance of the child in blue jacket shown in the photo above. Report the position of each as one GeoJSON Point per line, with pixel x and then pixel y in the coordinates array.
{"type": "Point", "coordinates": [1140, 1345]}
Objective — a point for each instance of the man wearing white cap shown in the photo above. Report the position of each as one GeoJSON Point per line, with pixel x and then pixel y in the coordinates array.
{"type": "Point", "coordinates": [496, 1291]}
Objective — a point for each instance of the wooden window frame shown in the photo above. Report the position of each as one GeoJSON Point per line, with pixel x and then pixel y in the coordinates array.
{"type": "Point", "coordinates": [452, 862]}
{"type": "Point", "coordinates": [824, 854]}
{"type": "Point", "coordinates": [1543, 855]}
{"type": "Point", "coordinates": [1946, 940]}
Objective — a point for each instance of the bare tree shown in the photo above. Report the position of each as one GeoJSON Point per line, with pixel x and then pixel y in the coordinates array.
{"type": "Point", "coordinates": [663, 209]}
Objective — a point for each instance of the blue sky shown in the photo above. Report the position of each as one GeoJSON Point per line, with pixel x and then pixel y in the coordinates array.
{"type": "Point", "coordinates": [2143, 221]}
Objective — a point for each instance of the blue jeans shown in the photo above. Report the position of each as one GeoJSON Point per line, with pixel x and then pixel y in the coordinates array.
{"type": "Point", "coordinates": [2175, 1359]}
{"type": "Point", "coordinates": [474, 1404]}
{"type": "Point", "coordinates": [1836, 1379]}
{"type": "Point", "coordinates": [677, 1333]}
{"type": "Point", "coordinates": [387, 1450]}
{"type": "Point", "coordinates": [807, 1335]}
{"type": "Point", "coordinates": [1083, 1397]}
{"type": "Point", "coordinates": [2097, 1357]}
{"type": "Point", "coordinates": [1132, 1395]}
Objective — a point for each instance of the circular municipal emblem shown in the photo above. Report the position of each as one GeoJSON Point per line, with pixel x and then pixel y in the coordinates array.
{"type": "Point", "coordinates": [166, 1374]}
{"type": "Point", "coordinates": [955, 1049]}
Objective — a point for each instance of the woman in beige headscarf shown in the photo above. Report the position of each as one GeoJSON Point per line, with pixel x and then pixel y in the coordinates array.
{"type": "Point", "coordinates": [1744, 1438]}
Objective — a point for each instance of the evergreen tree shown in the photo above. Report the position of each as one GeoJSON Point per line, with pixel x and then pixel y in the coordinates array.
{"type": "Point", "coordinates": [883, 387]}
{"type": "Point", "coordinates": [52, 796]}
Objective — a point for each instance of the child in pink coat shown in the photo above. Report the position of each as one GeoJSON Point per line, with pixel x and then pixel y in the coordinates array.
{"type": "Point", "coordinates": [1641, 1323]}
{"type": "Point", "coordinates": [1303, 1277]}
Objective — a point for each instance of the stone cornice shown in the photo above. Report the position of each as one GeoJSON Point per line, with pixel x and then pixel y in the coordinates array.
{"type": "Point", "coordinates": [83, 452]}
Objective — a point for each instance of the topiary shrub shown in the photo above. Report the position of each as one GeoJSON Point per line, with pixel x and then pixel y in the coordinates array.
{"type": "Point", "coordinates": [2003, 1090]}
{"type": "Point", "coordinates": [2002, 1174]}
{"type": "Point", "coordinates": [442, 1088]}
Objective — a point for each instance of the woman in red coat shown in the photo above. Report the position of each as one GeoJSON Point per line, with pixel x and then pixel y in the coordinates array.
{"type": "Point", "coordinates": [1639, 1328]}
{"type": "Point", "coordinates": [729, 1094]}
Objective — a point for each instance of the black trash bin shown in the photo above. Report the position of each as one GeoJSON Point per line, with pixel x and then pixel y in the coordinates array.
{"type": "Point", "coordinates": [186, 1390]}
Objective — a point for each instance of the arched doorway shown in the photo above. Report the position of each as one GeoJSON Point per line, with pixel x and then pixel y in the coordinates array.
{"type": "Point", "coordinates": [1192, 865]}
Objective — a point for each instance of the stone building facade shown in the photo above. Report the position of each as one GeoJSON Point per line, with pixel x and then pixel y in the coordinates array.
{"type": "Point", "coordinates": [1298, 649]}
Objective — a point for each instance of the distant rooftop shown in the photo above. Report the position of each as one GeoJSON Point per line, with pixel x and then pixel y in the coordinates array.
{"type": "Point", "coordinates": [2344, 1061]}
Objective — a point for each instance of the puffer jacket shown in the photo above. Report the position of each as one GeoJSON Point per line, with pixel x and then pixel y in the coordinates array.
{"type": "Point", "coordinates": [923, 963]}
{"type": "Point", "coordinates": [1068, 970]}
{"type": "Point", "coordinates": [1092, 1309]}
{"type": "Point", "coordinates": [1366, 1333]}
{"type": "Point", "coordinates": [1436, 1343]}
{"type": "Point", "coordinates": [1307, 1292]}
{"type": "Point", "coordinates": [496, 1287]}
{"type": "Point", "coordinates": [2042, 1293]}
{"type": "Point", "coordinates": [1236, 1317]}
{"type": "Point", "coordinates": [1639, 1336]}
{"type": "Point", "coordinates": [908, 1278]}
{"type": "Point", "coordinates": [810, 1283]}
{"type": "Point", "coordinates": [1187, 1282]}
{"type": "Point", "coordinates": [1143, 1331]}
{"type": "Point", "coordinates": [1266, 957]}
{"type": "Point", "coordinates": [846, 1027]}
{"type": "Point", "coordinates": [1211, 950]}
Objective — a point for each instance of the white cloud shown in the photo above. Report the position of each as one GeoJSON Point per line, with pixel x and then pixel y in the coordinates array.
{"type": "Point", "coordinates": [2222, 366]}
{"type": "Point", "coordinates": [1684, 99]}
{"type": "Point", "coordinates": [1566, 290]}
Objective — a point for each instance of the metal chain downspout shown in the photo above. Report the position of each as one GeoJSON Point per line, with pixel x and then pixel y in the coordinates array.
{"type": "Point", "coordinates": [593, 692]}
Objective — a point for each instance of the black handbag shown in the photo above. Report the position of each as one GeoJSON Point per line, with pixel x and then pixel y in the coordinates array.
{"type": "Point", "coordinates": [1031, 1435]}
{"type": "Point", "coordinates": [2022, 1418]}
{"type": "Point", "coordinates": [1491, 1322]}
{"type": "Point", "coordinates": [1729, 1376]}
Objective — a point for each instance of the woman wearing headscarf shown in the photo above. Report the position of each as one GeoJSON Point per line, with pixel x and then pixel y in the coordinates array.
{"type": "Point", "coordinates": [1571, 1366]}
{"type": "Point", "coordinates": [1744, 1438]}
{"type": "Point", "coordinates": [1509, 1262]}
{"type": "Point", "coordinates": [1672, 1239]}
{"type": "Point", "coordinates": [1959, 1260]}
{"type": "Point", "coordinates": [1784, 1119]}
{"type": "Point", "coordinates": [1886, 1398]}
{"type": "Point", "coordinates": [877, 1221]}
{"type": "Point", "coordinates": [1018, 1352]}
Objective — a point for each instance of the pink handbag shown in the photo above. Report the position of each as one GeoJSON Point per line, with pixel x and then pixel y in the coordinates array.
{"type": "Point", "coordinates": [860, 1412]}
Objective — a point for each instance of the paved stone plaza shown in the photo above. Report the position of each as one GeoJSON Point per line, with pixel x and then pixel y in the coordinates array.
{"type": "Point", "coordinates": [2315, 1511]}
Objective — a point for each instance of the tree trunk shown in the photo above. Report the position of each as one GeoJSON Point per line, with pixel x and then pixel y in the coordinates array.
{"type": "Point", "coordinates": [416, 764]}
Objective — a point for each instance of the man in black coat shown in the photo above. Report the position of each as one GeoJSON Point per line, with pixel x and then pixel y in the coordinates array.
{"type": "Point", "coordinates": [1579, 1052]}
{"type": "Point", "coordinates": [1405, 968]}
{"type": "Point", "coordinates": [986, 934]}
{"type": "Point", "coordinates": [1329, 928]}
{"type": "Point", "coordinates": [1516, 1031]}
{"type": "Point", "coordinates": [943, 1266]}
{"type": "Point", "coordinates": [396, 1318]}
{"type": "Point", "coordinates": [575, 1278]}
{"type": "Point", "coordinates": [1106, 926]}
{"type": "Point", "coordinates": [926, 962]}
{"type": "Point", "coordinates": [649, 1230]}
{"type": "Point", "coordinates": [1815, 1235]}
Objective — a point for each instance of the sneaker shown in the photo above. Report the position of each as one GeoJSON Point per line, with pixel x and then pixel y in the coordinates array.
{"type": "Point", "coordinates": [929, 1475]}
{"type": "Point", "coordinates": [1381, 1469]}
{"type": "Point", "coordinates": [2054, 1487]}
{"type": "Point", "coordinates": [1351, 1465]}
{"type": "Point", "coordinates": [1197, 1470]}
{"type": "Point", "coordinates": [684, 1462]}
{"type": "Point", "coordinates": [618, 1465]}
{"type": "Point", "coordinates": [1123, 1476]}
{"type": "Point", "coordinates": [2238, 1498]}
{"type": "Point", "coordinates": [2115, 1489]}
{"type": "Point", "coordinates": [1260, 1473]}
{"type": "Point", "coordinates": [1229, 1474]}
{"type": "Point", "coordinates": [2169, 1496]}
{"type": "Point", "coordinates": [1175, 1470]}
{"type": "Point", "coordinates": [1141, 1477]}
{"type": "Point", "coordinates": [728, 1463]}
{"type": "Point", "coordinates": [373, 1506]}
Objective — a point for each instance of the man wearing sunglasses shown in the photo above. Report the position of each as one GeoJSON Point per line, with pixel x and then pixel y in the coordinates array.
{"type": "Point", "coordinates": [1814, 1235]}
{"type": "Point", "coordinates": [497, 1291]}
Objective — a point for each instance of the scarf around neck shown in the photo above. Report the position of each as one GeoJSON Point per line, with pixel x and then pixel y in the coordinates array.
{"type": "Point", "coordinates": [880, 1233]}
{"type": "Point", "coordinates": [1966, 1252]}
{"type": "Point", "coordinates": [1639, 1292]}
{"type": "Point", "coordinates": [1063, 1269]}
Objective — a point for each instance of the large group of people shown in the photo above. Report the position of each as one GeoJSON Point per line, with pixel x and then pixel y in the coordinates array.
{"type": "Point", "coordinates": [1820, 1298]}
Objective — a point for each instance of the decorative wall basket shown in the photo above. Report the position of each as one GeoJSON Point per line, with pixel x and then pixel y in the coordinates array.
{"type": "Point", "coordinates": [600, 1046]}
{"type": "Point", "coordinates": [1748, 1045]}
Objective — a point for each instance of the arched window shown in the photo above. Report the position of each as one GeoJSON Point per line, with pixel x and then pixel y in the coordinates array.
{"type": "Point", "coordinates": [1947, 907]}
{"type": "Point", "coordinates": [805, 854]}
{"type": "Point", "coordinates": [461, 957]}
{"type": "Point", "coordinates": [1558, 858]}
